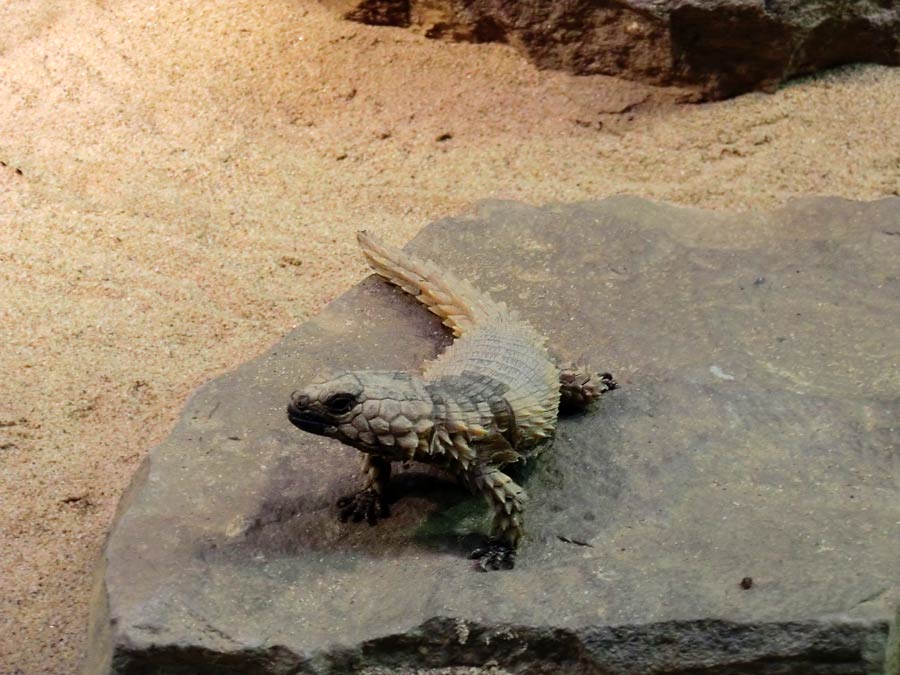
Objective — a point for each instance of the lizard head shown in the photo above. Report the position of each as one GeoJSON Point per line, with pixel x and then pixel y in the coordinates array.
{"type": "Point", "coordinates": [385, 413]}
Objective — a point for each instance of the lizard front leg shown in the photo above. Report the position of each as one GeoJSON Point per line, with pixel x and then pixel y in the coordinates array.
{"type": "Point", "coordinates": [508, 501]}
{"type": "Point", "coordinates": [369, 503]}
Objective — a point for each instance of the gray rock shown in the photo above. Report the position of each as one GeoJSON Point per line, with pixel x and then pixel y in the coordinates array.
{"type": "Point", "coordinates": [722, 48]}
{"type": "Point", "coordinates": [755, 436]}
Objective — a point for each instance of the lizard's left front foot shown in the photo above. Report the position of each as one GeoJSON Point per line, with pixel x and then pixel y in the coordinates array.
{"type": "Point", "coordinates": [495, 555]}
{"type": "Point", "coordinates": [365, 505]}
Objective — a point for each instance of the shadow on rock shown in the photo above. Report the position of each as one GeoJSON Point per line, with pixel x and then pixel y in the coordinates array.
{"type": "Point", "coordinates": [428, 510]}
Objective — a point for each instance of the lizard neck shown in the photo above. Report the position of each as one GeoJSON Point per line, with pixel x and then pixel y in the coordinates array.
{"type": "Point", "coordinates": [472, 404]}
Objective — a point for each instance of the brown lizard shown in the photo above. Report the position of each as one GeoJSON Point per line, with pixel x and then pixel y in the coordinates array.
{"type": "Point", "coordinates": [489, 400]}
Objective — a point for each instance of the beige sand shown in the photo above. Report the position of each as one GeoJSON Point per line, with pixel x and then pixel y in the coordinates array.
{"type": "Point", "coordinates": [181, 185]}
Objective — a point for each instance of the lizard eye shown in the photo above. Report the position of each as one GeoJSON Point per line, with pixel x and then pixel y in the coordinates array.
{"type": "Point", "coordinates": [340, 403]}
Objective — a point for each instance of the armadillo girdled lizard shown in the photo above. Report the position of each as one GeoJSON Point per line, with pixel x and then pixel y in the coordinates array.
{"type": "Point", "coordinates": [489, 400]}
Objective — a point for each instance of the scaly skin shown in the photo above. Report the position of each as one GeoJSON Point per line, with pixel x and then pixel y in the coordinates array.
{"type": "Point", "coordinates": [488, 401]}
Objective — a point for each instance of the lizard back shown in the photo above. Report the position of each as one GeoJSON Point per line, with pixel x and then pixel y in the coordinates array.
{"type": "Point", "coordinates": [493, 340]}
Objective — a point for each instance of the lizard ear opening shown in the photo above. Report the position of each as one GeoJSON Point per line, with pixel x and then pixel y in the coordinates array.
{"type": "Point", "coordinates": [340, 403]}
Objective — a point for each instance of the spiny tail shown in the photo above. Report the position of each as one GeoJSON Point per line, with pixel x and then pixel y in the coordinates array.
{"type": "Point", "coordinates": [459, 304]}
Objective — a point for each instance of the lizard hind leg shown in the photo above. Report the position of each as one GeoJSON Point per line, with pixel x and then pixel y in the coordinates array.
{"type": "Point", "coordinates": [508, 500]}
{"type": "Point", "coordinates": [580, 386]}
{"type": "Point", "coordinates": [369, 503]}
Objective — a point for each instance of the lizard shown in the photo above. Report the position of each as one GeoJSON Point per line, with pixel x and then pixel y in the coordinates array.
{"type": "Point", "coordinates": [490, 400]}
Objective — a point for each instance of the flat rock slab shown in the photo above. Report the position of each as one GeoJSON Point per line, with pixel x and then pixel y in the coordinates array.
{"type": "Point", "coordinates": [755, 437]}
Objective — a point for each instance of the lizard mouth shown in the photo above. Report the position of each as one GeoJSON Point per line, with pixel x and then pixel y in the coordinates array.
{"type": "Point", "coordinates": [309, 421]}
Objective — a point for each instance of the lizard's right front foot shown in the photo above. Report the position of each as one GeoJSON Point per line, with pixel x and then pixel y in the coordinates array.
{"type": "Point", "coordinates": [365, 504]}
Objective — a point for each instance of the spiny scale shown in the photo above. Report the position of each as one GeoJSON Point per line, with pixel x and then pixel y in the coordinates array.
{"type": "Point", "coordinates": [494, 341]}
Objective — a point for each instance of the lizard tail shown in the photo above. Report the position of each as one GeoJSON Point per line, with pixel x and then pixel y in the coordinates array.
{"type": "Point", "coordinates": [459, 304]}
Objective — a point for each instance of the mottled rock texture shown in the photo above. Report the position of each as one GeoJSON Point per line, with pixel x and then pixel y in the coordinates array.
{"type": "Point", "coordinates": [719, 47]}
{"type": "Point", "coordinates": [733, 508]}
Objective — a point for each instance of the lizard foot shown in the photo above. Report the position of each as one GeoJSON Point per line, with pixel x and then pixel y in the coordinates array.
{"type": "Point", "coordinates": [579, 387]}
{"type": "Point", "coordinates": [494, 555]}
{"type": "Point", "coordinates": [365, 504]}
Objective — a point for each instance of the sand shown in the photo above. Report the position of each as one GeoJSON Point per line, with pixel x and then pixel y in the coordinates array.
{"type": "Point", "coordinates": [181, 183]}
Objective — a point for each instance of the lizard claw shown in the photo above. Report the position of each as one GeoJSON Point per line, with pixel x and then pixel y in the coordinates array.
{"type": "Point", "coordinates": [494, 555]}
{"type": "Point", "coordinates": [365, 504]}
{"type": "Point", "coordinates": [607, 383]}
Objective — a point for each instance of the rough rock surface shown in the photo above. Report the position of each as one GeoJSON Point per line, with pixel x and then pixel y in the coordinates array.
{"type": "Point", "coordinates": [754, 437]}
{"type": "Point", "coordinates": [723, 48]}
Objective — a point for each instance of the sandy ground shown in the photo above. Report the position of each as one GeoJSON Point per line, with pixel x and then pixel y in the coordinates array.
{"type": "Point", "coordinates": [179, 186]}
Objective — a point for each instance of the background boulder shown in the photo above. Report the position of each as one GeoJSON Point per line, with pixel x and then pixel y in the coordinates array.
{"type": "Point", "coordinates": [720, 48]}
